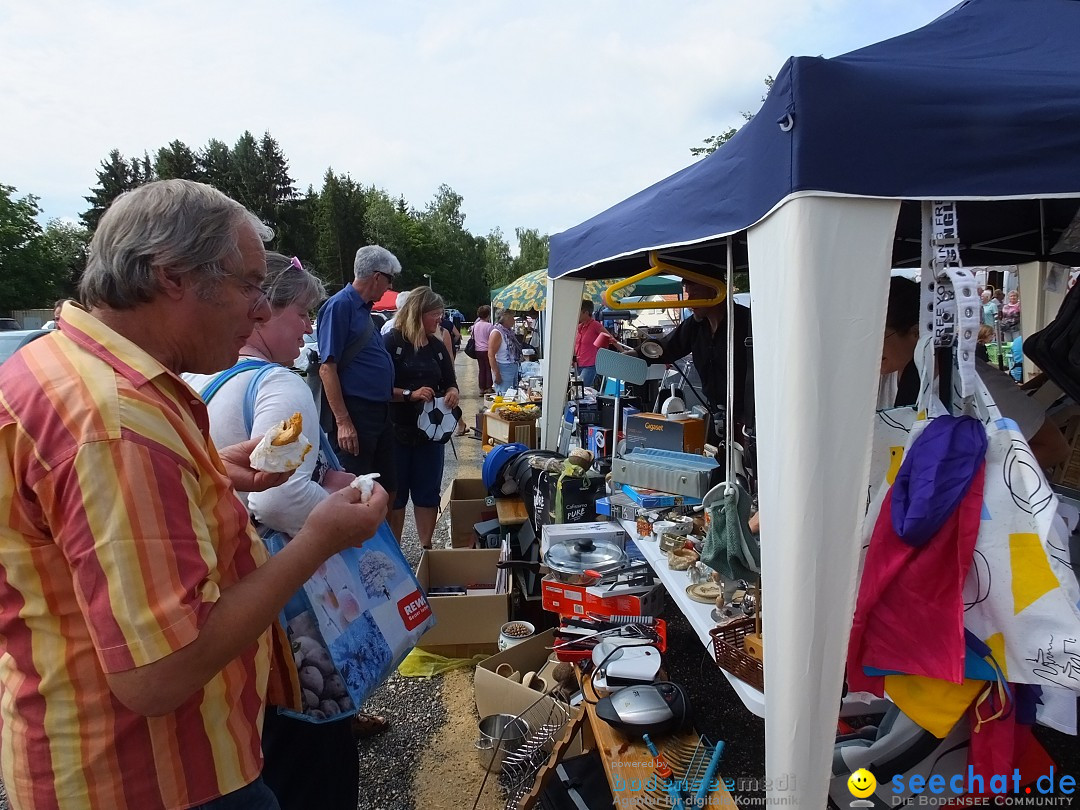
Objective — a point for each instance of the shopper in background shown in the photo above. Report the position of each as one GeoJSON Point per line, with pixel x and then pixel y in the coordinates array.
{"type": "Point", "coordinates": [423, 371]}
{"type": "Point", "coordinates": [359, 392]}
{"type": "Point", "coordinates": [585, 349]}
{"type": "Point", "coordinates": [480, 332]}
{"type": "Point", "coordinates": [504, 352]}
{"type": "Point", "coordinates": [900, 377]}
{"type": "Point", "coordinates": [1010, 317]}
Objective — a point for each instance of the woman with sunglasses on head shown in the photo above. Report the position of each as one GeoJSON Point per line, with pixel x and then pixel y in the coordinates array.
{"type": "Point", "coordinates": [423, 371]}
{"type": "Point", "coordinates": [298, 754]}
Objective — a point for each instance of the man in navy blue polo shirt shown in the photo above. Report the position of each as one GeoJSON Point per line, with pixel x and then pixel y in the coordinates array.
{"type": "Point", "coordinates": [359, 393]}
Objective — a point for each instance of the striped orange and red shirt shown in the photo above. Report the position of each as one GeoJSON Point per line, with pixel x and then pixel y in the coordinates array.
{"type": "Point", "coordinates": [119, 529]}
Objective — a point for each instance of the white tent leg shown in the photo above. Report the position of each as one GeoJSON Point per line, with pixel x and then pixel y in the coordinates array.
{"type": "Point", "coordinates": [819, 271]}
{"type": "Point", "coordinates": [563, 306]}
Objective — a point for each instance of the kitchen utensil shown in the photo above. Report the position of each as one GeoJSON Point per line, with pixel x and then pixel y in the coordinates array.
{"type": "Point", "coordinates": [574, 557]}
{"type": "Point", "coordinates": [705, 592]}
{"type": "Point", "coordinates": [500, 734]}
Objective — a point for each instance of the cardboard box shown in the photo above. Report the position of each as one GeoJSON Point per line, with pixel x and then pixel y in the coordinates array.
{"type": "Point", "coordinates": [619, 506]}
{"type": "Point", "coordinates": [598, 441]}
{"type": "Point", "coordinates": [495, 694]}
{"type": "Point", "coordinates": [579, 499]}
{"type": "Point", "coordinates": [464, 515]}
{"type": "Point", "coordinates": [577, 600]}
{"type": "Point", "coordinates": [657, 431]}
{"type": "Point", "coordinates": [469, 503]}
{"type": "Point", "coordinates": [463, 623]}
{"type": "Point", "coordinates": [465, 489]}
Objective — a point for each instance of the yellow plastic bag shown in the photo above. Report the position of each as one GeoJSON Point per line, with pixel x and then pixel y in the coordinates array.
{"type": "Point", "coordinates": [423, 664]}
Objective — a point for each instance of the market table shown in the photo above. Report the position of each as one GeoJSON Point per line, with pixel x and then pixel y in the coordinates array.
{"type": "Point", "coordinates": [628, 764]}
{"type": "Point", "coordinates": [697, 613]}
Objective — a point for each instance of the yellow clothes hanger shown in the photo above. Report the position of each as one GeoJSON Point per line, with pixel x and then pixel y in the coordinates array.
{"type": "Point", "coordinates": [656, 267]}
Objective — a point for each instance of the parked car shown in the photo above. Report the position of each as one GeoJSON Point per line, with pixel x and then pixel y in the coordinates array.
{"type": "Point", "coordinates": [310, 350]}
{"type": "Point", "coordinates": [9, 325]}
{"type": "Point", "coordinates": [11, 340]}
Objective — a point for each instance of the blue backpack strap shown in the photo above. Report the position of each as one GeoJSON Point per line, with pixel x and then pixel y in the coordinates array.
{"type": "Point", "coordinates": [212, 387]}
{"type": "Point", "coordinates": [252, 393]}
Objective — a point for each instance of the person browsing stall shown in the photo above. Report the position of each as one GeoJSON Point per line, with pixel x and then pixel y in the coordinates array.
{"type": "Point", "coordinates": [423, 371]}
{"type": "Point", "coordinates": [900, 377]}
{"type": "Point", "coordinates": [297, 753]}
{"type": "Point", "coordinates": [138, 606]}
{"type": "Point", "coordinates": [480, 332]}
{"type": "Point", "coordinates": [359, 391]}
{"type": "Point", "coordinates": [585, 349]}
{"type": "Point", "coordinates": [504, 352]}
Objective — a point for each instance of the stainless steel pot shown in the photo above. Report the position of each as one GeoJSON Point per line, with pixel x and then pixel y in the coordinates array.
{"type": "Point", "coordinates": [583, 558]}
{"type": "Point", "coordinates": [499, 735]}
{"type": "Point", "coordinates": [580, 561]}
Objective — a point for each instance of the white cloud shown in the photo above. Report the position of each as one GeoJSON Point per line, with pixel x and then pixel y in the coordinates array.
{"type": "Point", "coordinates": [539, 116]}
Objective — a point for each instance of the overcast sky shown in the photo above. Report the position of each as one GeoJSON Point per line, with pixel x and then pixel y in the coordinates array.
{"type": "Point", "coordinates": [539, 114]}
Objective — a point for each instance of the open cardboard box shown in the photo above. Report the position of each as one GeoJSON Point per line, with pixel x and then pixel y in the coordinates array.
{"type": "Point", "coordinates": [465, 625]}
{"type": "Point", "coordinates": [469, 504]}
{"type": "Point", "coordinates": [496, 694]}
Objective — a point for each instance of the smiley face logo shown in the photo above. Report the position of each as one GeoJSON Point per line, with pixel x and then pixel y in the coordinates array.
{"type": "Point", "coordinates": [861, 783]}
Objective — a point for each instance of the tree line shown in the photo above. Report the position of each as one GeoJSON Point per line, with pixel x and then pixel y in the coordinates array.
{"type": "Point", "coordinates": [323, 227]}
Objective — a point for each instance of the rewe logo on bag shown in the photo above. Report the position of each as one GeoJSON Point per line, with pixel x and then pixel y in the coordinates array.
{"type": "Point", "coordinates": [414, 610]}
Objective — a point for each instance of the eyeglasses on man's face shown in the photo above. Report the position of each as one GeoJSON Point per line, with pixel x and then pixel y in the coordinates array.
{"type": "Point", "coordinates": [252, 292]}
{"type": "Point", "coordinates": [389, 278]}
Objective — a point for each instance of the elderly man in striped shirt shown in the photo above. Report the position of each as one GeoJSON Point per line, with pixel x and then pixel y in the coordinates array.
{"type": "Point", "coordinates": [138, 633]}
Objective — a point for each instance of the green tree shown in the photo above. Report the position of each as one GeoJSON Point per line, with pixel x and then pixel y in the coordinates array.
{"type": "Point", "coordinates": [498, 262]}
{"type": "Point", "coordinates": [714, 142]}
{"type": "Point", "coordinates": [36, 264]}
{"type": "Point", "coordinates": [177, 161]}
{"type": "Point", "coordinates": [215, 164]}
{"type": "Point", "coordinates": [339, 227]}
{"type": "Point", "coordinates": [115, 176]}
{"type": "Point", "coordinates": [532, 251]}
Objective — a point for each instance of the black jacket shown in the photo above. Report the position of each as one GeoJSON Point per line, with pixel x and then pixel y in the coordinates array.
{"type": "Point", "coordinates": [709, 352]}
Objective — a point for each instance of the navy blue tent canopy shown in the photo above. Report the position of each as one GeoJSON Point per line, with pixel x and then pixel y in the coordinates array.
{"type": "Point", "coordinates": [982, 105]}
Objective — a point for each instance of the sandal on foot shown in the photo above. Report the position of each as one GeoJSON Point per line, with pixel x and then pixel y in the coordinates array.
{"type": "Point", "coordinates": [368, 725]}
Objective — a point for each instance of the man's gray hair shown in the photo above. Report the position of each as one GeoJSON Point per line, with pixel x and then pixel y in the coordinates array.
{"type": "Point", "coordinates": [185, 226]}
{"type": "Point", "coordinates": [287, 285]}
{"type": "Point", "coordinates": [372, 259]}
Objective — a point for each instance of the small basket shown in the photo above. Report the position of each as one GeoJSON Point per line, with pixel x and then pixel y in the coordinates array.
{"type": "Point", "coordinates": [730, 655]}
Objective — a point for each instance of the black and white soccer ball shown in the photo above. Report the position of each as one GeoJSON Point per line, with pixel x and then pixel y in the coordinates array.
{"type": "Point", "coordinates": [437, 421]}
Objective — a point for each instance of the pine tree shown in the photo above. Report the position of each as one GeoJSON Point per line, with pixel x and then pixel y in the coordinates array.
{"type": "Point", "coordinates": [215, 164]}
{"type": "Point", "coordinates": [177, 161]}
{"type": "Point", "coordinates": [114, 178]}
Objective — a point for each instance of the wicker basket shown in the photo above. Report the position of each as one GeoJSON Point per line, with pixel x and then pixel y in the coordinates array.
{"type": "Point", "coordinates": [730, 655]}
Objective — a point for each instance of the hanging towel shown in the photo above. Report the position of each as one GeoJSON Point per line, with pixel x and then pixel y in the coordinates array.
{"type": "Point", "coordinates": [730, 547]}
{"type": "Point", "coordinates": [909, 616]}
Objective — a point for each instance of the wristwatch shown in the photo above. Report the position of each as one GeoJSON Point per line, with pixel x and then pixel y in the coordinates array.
{"type": "Point", "coordinates": [406, 394]}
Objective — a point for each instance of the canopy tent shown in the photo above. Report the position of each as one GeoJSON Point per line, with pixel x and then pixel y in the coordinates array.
{"type": "Point", "coordinates": [820, 193]}
{"type": "Point", "coordinates": [529, 292]}
{"type": "Point", "coordinates": [387, 302]}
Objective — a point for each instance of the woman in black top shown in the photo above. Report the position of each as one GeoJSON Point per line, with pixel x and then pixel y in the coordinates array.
{"type": "Point", "coordinates": [423, 371]}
